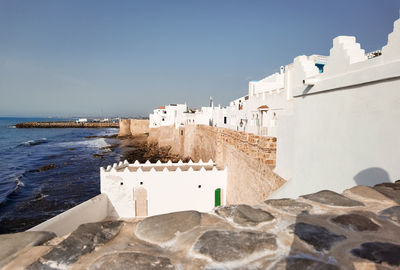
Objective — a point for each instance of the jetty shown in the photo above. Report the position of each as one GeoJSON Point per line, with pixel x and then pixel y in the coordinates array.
{"type": "Point", "coordinates": [67, 124]}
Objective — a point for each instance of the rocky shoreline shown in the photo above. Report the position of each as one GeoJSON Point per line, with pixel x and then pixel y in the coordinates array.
{"type": "Point", "coordinates": [66, 125]}
{"type": "Point", "coordinates": [358, 229]}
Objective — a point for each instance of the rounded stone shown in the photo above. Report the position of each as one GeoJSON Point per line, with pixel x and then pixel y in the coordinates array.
{"type": "Point", "coordinates": [392, 213]}
{"type": "Point", "coordinates": [162, 228]}
{"type": "Point", "coordinates": [244, 215]}
{"type": "Point", "coordinates": [224, 246]}
{"type": "Point", "coordinates": [319, 237]}
{"type": "Point", "coordinates": [298, 263]}
{"type": "Point", "coordinates": [390, 190]}
{"type": "Point", "coordinates": [379, 252]}
{"type": "Point", "coordinates": [289, 205]}
{"type": "Point", "coordinates": [332, 198]}
{"type": "Point", "coordinates": [80, 242]}
{"type": "Point", "coordinates": [132, 260]}
{"type": "Point", "coordinates": [356, 222]}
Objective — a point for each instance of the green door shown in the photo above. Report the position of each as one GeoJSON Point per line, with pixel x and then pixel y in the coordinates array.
{"type": "Point", "coordinates": [217, 197]}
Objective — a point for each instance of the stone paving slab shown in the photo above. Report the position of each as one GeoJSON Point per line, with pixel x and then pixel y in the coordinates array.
{"type": "Point", "coordinates": [324, 230]}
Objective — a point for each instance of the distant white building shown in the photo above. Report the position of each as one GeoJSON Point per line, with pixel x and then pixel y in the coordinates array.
{"type": "Point", "coordinates": [82, 120]}
{"type": "Point", "coordinates": [172, 114]}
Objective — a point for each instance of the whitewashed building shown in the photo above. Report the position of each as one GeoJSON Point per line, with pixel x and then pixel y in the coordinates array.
{"type": "Point", "coordinates": [168, 115]}
{"type": "Point", "coordinates": [157, 188]}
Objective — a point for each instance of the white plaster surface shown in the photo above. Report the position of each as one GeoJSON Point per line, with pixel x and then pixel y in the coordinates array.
{"type": "Point", "coordinates": [169, 188]}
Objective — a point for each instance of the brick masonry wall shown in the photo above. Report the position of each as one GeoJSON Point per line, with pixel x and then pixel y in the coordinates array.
{"type": "Point", "coordinates": [250, 159]}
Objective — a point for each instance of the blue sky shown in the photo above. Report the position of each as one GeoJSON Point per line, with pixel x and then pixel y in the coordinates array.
{"type": "Point", "coordinates": [76, 58]}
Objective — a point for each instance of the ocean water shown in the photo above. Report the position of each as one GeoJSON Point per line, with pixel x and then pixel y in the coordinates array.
{"type": "Point", "coordinates": [29, 196]}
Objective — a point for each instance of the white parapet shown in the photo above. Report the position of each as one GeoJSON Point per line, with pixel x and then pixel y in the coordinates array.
{"type": "Point", "coordinates": [142, 189]}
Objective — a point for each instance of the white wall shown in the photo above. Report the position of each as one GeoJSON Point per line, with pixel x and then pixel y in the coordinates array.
{"type": "Point", "coordinates": [167, 190]}
{"type": "Point", "coordinates": [344, 128]}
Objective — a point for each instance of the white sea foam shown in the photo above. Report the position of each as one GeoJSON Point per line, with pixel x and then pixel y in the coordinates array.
{"type": "Point", "coordinates": [93, 143]}
{"type": "Point", "coordinates": [34, 142]}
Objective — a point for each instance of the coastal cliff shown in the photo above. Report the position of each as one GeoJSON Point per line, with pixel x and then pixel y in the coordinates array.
{"type": "Point", "coordinates": [357, 229]}
{"type": "Point", "coordinates": [66, 125]}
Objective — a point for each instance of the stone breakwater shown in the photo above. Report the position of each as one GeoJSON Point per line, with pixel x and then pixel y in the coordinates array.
{"type": "Point", "coordinates": [358, 229]}
{"type": "Point", "coordinates": [66, 125]}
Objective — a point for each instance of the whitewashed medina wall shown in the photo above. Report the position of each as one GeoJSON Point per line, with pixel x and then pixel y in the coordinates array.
{"type": "Point", "coordinates": [344, 127]}
{"type": "Point", "coordinates": [167, 115]}
{"type": "Point", "coordinates": [170, 186]}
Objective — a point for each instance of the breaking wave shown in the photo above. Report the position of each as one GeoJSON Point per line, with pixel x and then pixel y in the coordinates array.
{"type": "Point", "coordinates": [10, 186]}
{"type": "Point", "coordinates": [34, 142]}
{"type": "Point", "coordinates": [96, 143]}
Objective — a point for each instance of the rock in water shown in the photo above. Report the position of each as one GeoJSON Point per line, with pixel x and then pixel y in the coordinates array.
{"type": "Point", "coordinates": [47, 167]}
{"type": "Point", "coordinates": [224, 246]}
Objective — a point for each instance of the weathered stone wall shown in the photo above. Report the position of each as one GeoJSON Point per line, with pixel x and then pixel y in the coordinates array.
{"type": "Point", "coordinates": [248, 157]}
{"type": "Point", "coordinates": [129, 127]}
{"type": "Point", "coordinates": [124, 127]}
{"type": "Point", "coordinates": [139, 126]}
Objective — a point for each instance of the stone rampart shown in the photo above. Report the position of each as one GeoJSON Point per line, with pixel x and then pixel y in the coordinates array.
{"type": "Point", "coordinates": [129, 127]}
{"type": "Point", "coordinates": [249, 158]}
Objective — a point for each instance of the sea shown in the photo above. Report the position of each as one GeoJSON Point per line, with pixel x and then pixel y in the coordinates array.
{"type": "Point", "coordinates": [30, 195]}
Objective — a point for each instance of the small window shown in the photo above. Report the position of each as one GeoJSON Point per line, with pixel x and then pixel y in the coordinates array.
{"type": "Point", "coordinates": [225, 120]}
{"type": "Point", "coordinates": [199, 186]}
{"type": "Point", "coordinates": [141, 183]}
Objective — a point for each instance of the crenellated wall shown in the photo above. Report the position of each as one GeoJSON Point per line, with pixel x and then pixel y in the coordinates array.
{"type": "Point", "coordinates": [249, 158]}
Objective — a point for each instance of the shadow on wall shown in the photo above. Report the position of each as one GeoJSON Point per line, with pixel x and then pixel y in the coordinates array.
{"type": "Point", "coordinates": [371, 176]}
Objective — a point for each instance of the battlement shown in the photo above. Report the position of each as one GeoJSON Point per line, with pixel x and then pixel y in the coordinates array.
{"type": "Point", "coordinates": [142, 189]}
{"type": "Point", "coordinates": [160, 167]}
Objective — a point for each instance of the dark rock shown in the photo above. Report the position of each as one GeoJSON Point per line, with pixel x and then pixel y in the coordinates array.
{"type": "Point", "coordinates": [332, 198]}
{"type": "Point", "coordinates": [244, 215]}
{"type": "Point", "coordinates": [390, 190]}
{"type": "Point", "coordinates": [10, 244]}
{"type": "Point", "coordinates": [162, 228]}
{"type": "Point", "coordinates": [356, 222]}
{"type": "Point", "coordinates": [132, 260]}
{"type": "Point", "coordinates": [289, 205]}
{"type": "Point", "coordinates": [298, 263]}
{"type": "Point", "coordinates": [82, 241]}
{"type": "Point", "coordinates": [319, 237]}
{"type": "Point", "coordinates": [379, 252]}
{"type": "Point", "coordinates": [392, 213]}
{"type": "Point", "coordinates": [223, 246]}
{"type": "Point", "coordinates": [100, 156]}
{"type": "Point", "coordinates": [47, 167]}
